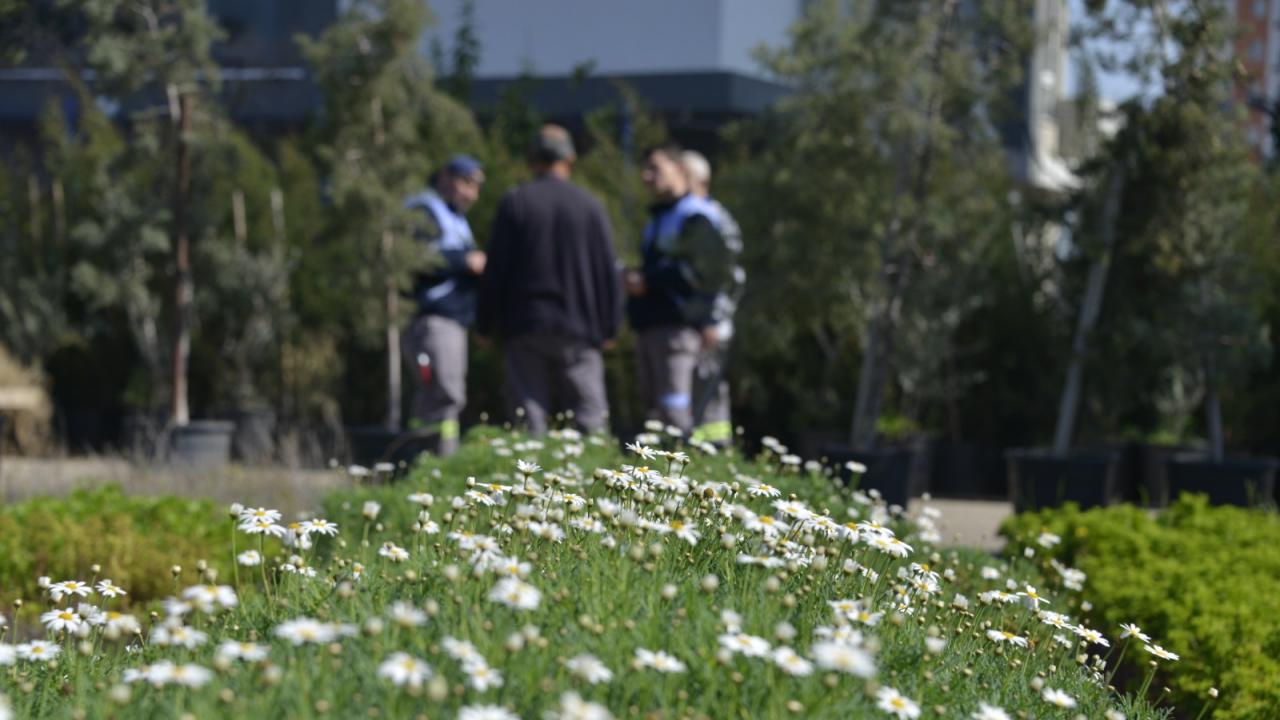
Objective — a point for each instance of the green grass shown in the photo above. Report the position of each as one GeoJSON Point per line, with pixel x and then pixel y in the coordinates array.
{"type": "Point", "coordinates": [638, 589]}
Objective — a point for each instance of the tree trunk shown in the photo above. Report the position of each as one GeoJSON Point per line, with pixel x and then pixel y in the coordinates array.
{"type": "Point", "coordinates": [895, 270]}
{"type": "Point", "coordinates": [1213, 410]}
{"type": "Point", "coordinates": [1089, 311]}
{"type": "Point", "coordinates": [180, 413]}
{"type": "Point", "coordinates": [392, 299]}
{"type": "Point", "coordinates": [393, 341]}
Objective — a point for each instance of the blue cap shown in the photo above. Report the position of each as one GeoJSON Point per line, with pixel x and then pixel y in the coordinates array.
{"type": "Point", "coordinates": [463, 165]}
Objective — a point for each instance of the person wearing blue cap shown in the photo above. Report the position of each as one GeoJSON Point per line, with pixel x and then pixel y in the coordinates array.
{"type": "Point", "coordinates": [436, 343]}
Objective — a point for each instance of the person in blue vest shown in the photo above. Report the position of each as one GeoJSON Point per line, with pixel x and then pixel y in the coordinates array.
{"type": "Point", "coordinates": [711, 398]}
{"type": "Point", "coordinates": [672, 296]}
{"type": "Point", "coordinates": [435, 346]}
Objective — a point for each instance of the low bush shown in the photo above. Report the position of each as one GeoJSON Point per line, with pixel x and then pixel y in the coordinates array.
{"type": "Point", "coordinates": [1205, 579]}
{"type": "Point", "coordinates": [134, 541]}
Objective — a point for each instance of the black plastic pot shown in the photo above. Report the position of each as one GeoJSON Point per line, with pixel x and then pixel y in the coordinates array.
{"type": "Point", "coordinates": [371, 444]}
{"type": "Point", "coordinates": [1039, 479]}
{"type": "Point", "coordinates": [1238, 480]}
{"type": "Point", "coordinates": [967, 470]}
{"type": "Point", "coordinates": [888, 471]}
{"type": "Point", "coordinates": [254, 441]}
{"type": "Point", "coordinates": [368, 444]}
{"type": "Point", "coordinates": [201, 443]}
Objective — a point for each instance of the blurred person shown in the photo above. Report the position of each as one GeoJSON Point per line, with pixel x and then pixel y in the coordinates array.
{"type": "Point", "coordinates": [711, 418]}
{"type": "Point", "coordinates": [436, 342]}
{"type": "Point", "coordinates": [551, 290]}
{"type": "Point", "coordinates": [671, 304]}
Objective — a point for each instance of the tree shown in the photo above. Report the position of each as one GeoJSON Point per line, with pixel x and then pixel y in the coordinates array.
{"type": "Point", "coordinates": [150, 50]}
{"type": "Point", "coordinates": [1188, 285]}
{"type": "Point", "coordinates": [385, 125]}
{"type": "Point", "coordinates": [885, 175]}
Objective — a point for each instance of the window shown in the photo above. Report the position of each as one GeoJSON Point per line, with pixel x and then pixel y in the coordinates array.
{"type": "Point", "coordinates": [1260, 8]}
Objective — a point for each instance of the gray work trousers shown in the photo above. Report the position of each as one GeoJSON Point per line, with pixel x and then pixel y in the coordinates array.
{"type": "Point", "coordinates": [665, 360]}
{"type": "Point", "coordinates": [711, 422]}
{"type": "Point", "coordinates": [542, 367]}
{"type": "Point", "coordinates": [438, 404]}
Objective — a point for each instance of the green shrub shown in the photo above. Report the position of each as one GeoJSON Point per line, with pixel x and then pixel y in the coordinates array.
{"type": "Point", "coordinates": [1203, 581]}
{"type": "Point", "coordinates": [135, 540]}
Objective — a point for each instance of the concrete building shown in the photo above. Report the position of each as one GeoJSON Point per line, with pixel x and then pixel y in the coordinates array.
{"type": "Point", "coordinates": [264, 79]}
{"type": "Point", "coordinates": [690, 60]}
{"type": "Point", "coordinates": [1257, 48]}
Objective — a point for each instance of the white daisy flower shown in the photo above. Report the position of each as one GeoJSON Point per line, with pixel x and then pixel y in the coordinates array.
{"type": "Point", "coordinates": [106, 588]}
{"type": "Point", "coordinates": [516, 594]}
{"type": "Point", "coordinates": [1160, 652]}
{"type": "Point", "coordinates": [320, 526]}
{"type": "Point", "coordinates": [38, 650]}
{"type": "Point", "coordinates": [209, 599]}
{"type": "Point", "coordinates": [897, 705]}
{"type": "Point", "coordinates": [843, 658]}
{"type": "Point", "coordinates": [64, 620]}
{"type": "Point", "coordinates": [8, 655]}
{"type": "Point", "coordinates": [246, 651]}
{"type": "Point", "coordinates": [192, 676]}
{"type": "Point", "coordinates": [251, 515]}
{"type": "Point", "coordinates": [573, 707]}
{"type": "Point", "coordinates": [1131, 630]}
{"type": "Point", "coordinates": [790, 662]}
{"type": "Point", "coordinates": [263, 527]}
{"type": "Point", "coordinates": [589, 668]}
{"type": "Point", "coordinates": [486, 712]}
{"type": "Point", "coordinates": [178, 635]}
{"type": "Point", "coordinates": [404, 669]}
{"type": "Point", "coordinates": [989, 712]}
{"type": "Point", "coordinates": [57, 591]}
{"type": "Point", "coordinates": [481, 677]}
{"type": "Point", "coordinates": [1058, 698]}
{"type": "Point", "coordinates": [393, 552]}
{"type": "Point", "coordinates": [371, 509]}
{"type": "Point", "coordinates": [249, 558]}
{"type": "Point", "coordinates": [406, 615]}
{"type": "Point", "coordinates": [1092, 637]}
{"type": "Point", "coordinates": [659, 660]}
{"type": "Point", "coordinates": [1001, 636]}
{"type": "Point", "coordinates": [748, 645]}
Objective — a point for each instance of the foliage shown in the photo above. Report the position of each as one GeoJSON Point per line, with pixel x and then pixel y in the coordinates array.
{"type": "Point", "coordinates": [1204, 579]}
{"type": "Point", "coordinates": [637, 581]}
{"type": "Point", "coordinates": [887, 192]}
{"type": "Point", "coordinates": [134, 540]}
{"type": "Point", "coordinates": [1187, 288]}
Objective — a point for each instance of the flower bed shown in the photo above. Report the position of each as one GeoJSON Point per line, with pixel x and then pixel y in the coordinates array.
{"type": "Point", "coordinates": [1206, 579]}
{"type": "Point", "coordinates": [556, 579]}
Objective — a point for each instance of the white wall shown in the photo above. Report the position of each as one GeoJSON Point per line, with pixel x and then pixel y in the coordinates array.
{"type": "Point", "coordinates": [552, 37]}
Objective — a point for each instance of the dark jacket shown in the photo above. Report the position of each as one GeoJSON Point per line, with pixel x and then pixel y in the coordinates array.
{"type": "Point", "coordinates": [682, 253]}
{"type": "Point", "coordinates": [551, 266]}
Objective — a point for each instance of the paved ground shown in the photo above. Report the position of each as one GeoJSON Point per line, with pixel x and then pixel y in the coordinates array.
{"type": "Point", "coordinates": [289, 490]}
{"type": "Point", "coordinates": [964, 522]}
{"type": "Point", "coordinates": [970, 522]}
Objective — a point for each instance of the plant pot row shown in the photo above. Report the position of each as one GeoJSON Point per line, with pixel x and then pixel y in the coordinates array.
{"type": "Point", "coordinates": [1034, 478]}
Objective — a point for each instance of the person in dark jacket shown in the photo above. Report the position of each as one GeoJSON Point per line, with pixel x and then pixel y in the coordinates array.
{"type": "Point", "coordinates": [436, 343]}
{"type": "Point", "coordinates": [686, 261]}
{"type": "Point", "coordinates": [550, 291]}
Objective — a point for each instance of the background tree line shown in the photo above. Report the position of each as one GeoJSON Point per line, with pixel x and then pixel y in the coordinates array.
{"type": "Point", "coordinates": [901, 280]}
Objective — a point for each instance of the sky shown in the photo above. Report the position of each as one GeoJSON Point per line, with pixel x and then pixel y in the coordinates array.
{"type": "Point", "coordinates": [1114, 87]}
